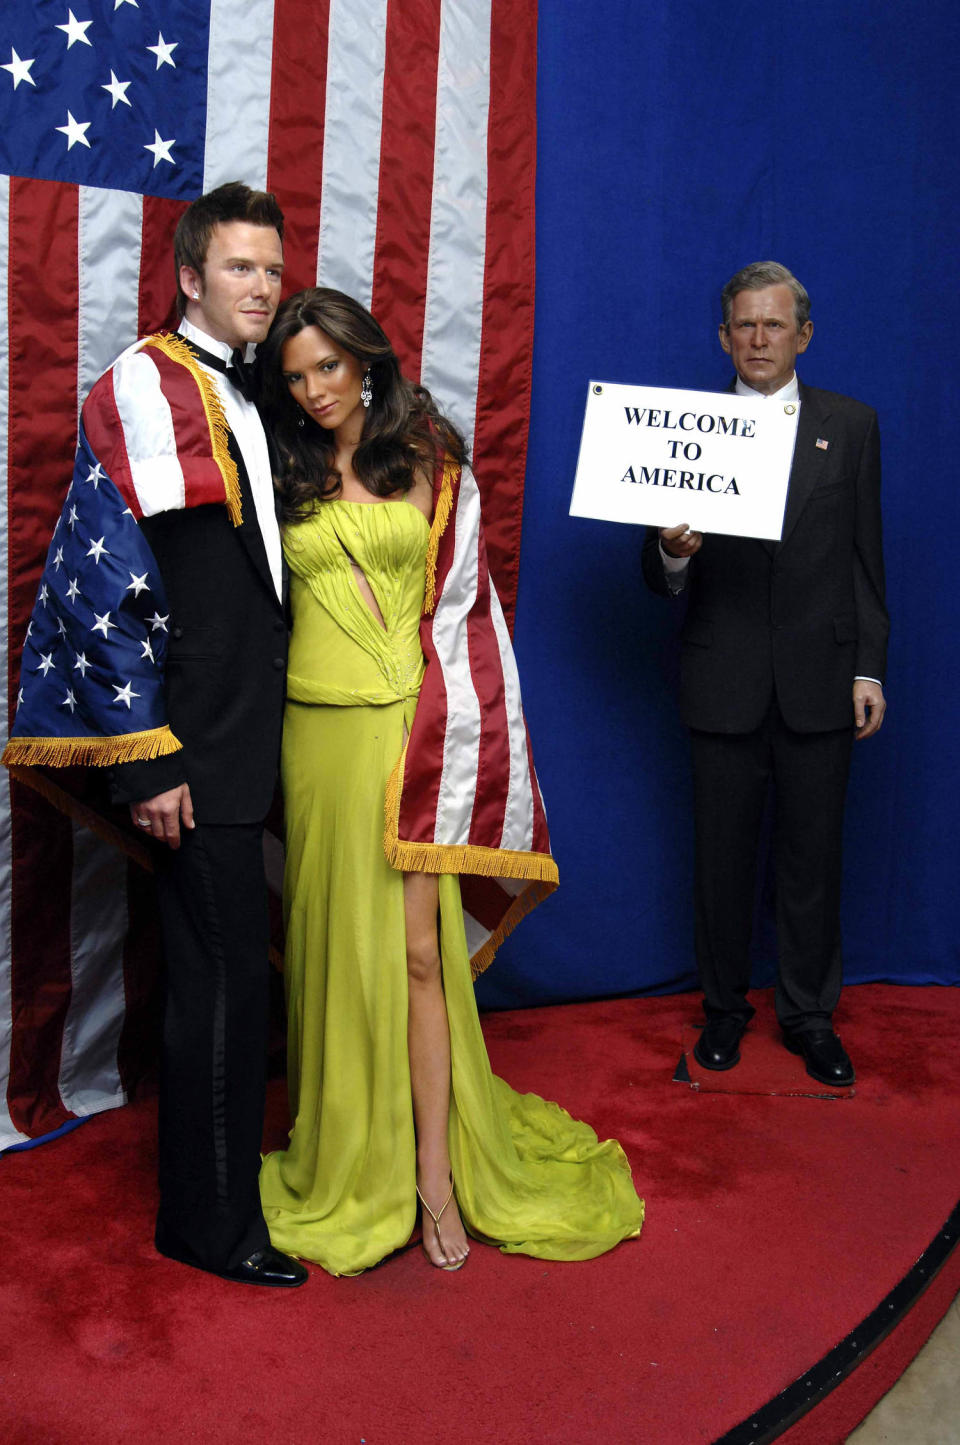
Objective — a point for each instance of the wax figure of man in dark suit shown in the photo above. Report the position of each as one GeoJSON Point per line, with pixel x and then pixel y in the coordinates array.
{"type": "Point", "coordinates": [783, 658]}
{"type": "Point", "coordinates": [206, 803]}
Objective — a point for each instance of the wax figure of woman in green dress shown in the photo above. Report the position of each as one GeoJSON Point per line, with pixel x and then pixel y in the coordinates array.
{"type": "Point", "coordinates": [406, 770]}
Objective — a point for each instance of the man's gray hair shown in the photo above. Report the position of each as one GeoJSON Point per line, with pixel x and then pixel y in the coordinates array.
{"type": "Point", "coordinates": [758, 275]}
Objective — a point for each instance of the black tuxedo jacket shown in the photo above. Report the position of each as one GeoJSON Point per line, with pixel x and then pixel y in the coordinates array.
{"type": "Point", "coordinates": [226, 664]}
{"type": "Point", "coordinates": [797, 619]}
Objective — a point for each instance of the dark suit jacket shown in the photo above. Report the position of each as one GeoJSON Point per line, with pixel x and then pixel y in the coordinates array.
{"type": "Point", "coordinates": [800, 619]}
{"type": "Point", "coordinates": [226, 664]}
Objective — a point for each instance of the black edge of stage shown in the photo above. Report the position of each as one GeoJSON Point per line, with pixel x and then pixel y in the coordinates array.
{"type": "Point", "coordinates": [771, 1420]}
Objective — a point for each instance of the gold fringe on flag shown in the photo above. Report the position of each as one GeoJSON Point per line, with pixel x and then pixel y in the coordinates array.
{"type": "Point", "coordinates": [410, 857]}
{"type": "Point", "coordinates": [523, 904]}
{"type": "Point", "coordinates": [94, 752]}
{"type": "Point", "coordinates": [177, 350]}
{"type": "Point", "coordinates": [441, 516]}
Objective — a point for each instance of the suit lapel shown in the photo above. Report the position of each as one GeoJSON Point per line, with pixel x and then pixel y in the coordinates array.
{"type": "Point", "coordinates": [249, 529]}
{"type": "Point", "coordinates": [808, 459]}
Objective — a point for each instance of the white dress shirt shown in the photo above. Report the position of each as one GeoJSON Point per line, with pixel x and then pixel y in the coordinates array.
{"type": "Point", "coordinates": [244, 421]}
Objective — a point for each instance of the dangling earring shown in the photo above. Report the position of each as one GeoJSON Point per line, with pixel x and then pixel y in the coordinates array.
{"type": "Point", "coordinates": [300, 419]}
{"type": "Point", "coordinates": [366, 391]}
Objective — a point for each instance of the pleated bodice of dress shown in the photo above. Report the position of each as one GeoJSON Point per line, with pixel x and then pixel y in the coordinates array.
{"type": "Point", "coordinates": [340, 653]}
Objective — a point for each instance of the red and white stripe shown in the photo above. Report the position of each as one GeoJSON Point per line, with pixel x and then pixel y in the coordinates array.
{"type": "Point", "coordinates": [143, 422]}
{"type": "Point", "coordinates": [109, 237]}
{"type": "Point", "coordinates": [472, 784]}
{"type": "Point", "coordinates": [469, 801]}
{"type": "Point", "coordinates": [400, 140]}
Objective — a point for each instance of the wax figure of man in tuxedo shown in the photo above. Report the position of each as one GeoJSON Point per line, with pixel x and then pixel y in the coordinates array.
{"type": "Point", "coordinates": [205, 804]}
{"type": "Point", "coordinates": [783, 657]}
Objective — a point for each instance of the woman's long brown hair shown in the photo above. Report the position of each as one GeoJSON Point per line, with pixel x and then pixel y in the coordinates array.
{"type": "Point", "coordinates": [403, 430]}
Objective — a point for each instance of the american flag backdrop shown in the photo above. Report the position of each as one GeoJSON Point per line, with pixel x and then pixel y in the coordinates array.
{"type": "Point", "coordinates": [399, 136]}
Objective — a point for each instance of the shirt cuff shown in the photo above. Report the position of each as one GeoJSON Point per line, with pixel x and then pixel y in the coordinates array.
{"type": "Point", "coordinates": [674, 569]}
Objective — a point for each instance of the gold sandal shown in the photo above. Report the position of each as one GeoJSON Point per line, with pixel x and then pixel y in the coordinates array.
{"type": "Point", "coordinates": [436, 1228]}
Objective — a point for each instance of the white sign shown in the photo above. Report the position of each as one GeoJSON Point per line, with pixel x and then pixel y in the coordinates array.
{"type": "Point", "coordinates": [717, 461]}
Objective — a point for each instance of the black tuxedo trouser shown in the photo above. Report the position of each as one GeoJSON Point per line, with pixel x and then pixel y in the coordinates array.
{"type": "Point", "coordinates": [732, 773]}
{"type": "Point", "coordinates": [215, 929]}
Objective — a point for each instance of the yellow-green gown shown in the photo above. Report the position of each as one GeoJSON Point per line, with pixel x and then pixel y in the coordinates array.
{"type": "Point", "coordinates": [528, 1177]}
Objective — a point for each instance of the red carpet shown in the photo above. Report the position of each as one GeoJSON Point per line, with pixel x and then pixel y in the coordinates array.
{"type": "Point", "coordinates": [775, 1225]}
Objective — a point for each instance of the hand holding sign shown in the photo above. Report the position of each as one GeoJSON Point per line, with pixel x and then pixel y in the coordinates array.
{"type": "Point", "coordinates": [651, 454]}
{"type": "Point", "coordinates": [680, 541]}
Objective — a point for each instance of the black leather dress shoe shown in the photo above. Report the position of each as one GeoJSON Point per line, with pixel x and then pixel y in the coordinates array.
{"type": "Point", "coordinates": [718, 1047]}
{"type": "Point", "coordinates": [267, 1266]}
{"type": "Point", "coordinates": [826, 1059]}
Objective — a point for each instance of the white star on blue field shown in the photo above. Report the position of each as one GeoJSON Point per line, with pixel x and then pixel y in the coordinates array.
{"type": "Point", "coordinates": [108, 93]}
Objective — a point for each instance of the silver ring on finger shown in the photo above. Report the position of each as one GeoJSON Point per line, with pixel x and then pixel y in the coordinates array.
{"type": "Point", "coordinates": [143, 823]}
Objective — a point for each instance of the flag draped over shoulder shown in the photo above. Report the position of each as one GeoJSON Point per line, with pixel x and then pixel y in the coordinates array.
{"type": "Point", "coordinates": [91, 677]}
{"type": "Point", "coordinates": [400, 141]}
{"type": "Point", "coordinates": [464, 797]}
{"type": "Point", "coordinates": [91, 680]}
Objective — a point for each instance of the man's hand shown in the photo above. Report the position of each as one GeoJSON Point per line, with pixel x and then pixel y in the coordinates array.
{"type": "Point", "coordinates": [680, 541]}
{"type": "Point", "coordinates": [869, 706]}
{"type": "Point", "coordinates": [163, 814]}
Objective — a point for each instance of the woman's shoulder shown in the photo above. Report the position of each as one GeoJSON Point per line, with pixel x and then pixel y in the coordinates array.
{"type": "Point", "coordinates": [421, 494]}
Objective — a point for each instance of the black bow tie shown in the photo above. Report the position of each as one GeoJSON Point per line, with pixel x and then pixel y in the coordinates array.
{"type": "Point", "coordinates": [238, 371]}
{"type": "Point", "coordinates": [241, 374]}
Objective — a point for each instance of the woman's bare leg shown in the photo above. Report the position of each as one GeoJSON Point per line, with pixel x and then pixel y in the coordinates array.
{"type": "Point", "coordinates": [428, 1040]}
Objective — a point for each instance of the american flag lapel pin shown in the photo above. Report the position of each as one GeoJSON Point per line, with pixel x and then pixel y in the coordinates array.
{"type": "Point", "coordinates": [822, 443]}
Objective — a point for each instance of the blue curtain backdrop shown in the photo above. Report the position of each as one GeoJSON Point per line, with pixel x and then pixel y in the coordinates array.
{"type": "Point", "coordinates": [678, 141]}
